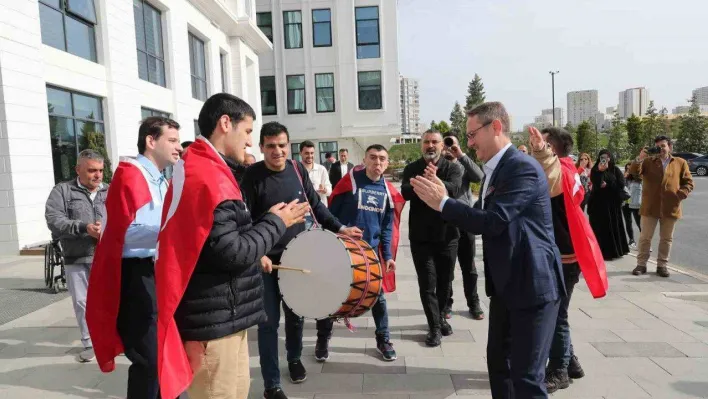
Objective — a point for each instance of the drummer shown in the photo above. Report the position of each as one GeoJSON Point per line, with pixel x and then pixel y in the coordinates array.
{"type": "Point", "coordinates": [365, 200]}
{"type": "Point", "coordinates": [266, 183]}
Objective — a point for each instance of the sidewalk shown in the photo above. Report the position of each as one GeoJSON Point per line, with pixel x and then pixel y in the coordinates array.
{"type": "Point", "coordinates": [647, 339]}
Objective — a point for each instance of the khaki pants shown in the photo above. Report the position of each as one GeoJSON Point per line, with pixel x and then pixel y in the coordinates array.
{"type": "Point", "coordinates": [666, 237]}
{"type": "Point", "coordinates": [224, 371]}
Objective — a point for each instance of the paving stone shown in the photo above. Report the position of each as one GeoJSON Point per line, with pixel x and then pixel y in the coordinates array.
{"type": "Point", "coordinates": [683, 367]}
{"type": "Point", "coordinates": [474, 349]}
{"type": "Point", "coordinates": [616, 313]}
{"type": "Point", "coordinates": [673, 387]}
{"type": "Point", "coordinates": [653, 336]}
{"type": "Point", "coordinates": [361, 365]}
{"type": "Point", "coordinates": [325, 383]}
{"type": "Point", "coordinates": [362, 396]}
{"type": "Point", "coordinates": [637, 349]}
{"type": "Point", "coordinates": [422, 384]}
{"type": "Point", "coordinates": [471, 383]}
{"type": "Point", "coordinates": [445, 365]}
{"type": "Point", "coordinates": [692, 349]}
{"type": "Point", "coordinates": [630, 366]}
{"type": "Point", "coordinates": [605, 386]}
{"type": "Point", "coordinates": [594, 335]}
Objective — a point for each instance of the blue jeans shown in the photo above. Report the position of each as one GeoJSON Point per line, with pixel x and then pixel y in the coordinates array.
{"type": "Point", "coordinates": [268, 332]}
{"type": "Point", "coordinates": [562, 347]}
{"type": "Point", "coordinates": [379, 311]}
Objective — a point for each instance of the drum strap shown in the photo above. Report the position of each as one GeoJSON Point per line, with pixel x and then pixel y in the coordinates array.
{"type": "Point", "coordinates": [299, 176]}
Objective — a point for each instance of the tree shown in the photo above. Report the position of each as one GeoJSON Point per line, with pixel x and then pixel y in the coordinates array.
{"type": "Point", "coordinates": [618, 143]}
{"type": "Point", "coordinates": [634, 134]}
{"type": "Point", "coordinates": [571, 129]}
{"type": "Point", "coordinates": [693, 131]}
{"type": "Point", "coordinates": [475, 93]}
{"type": "Point", "coordinates": [94, 139]}
{"type": "Point", "coordinates": [586, 141]}
{"type": "Point", "coordinates": [458, 124]}
{"type": "Point", "coordinates": [665, 123]}
{"type": "Point", "coordinates": [441, 127]}
{"type": "Point", "coordinates": [652, 125]}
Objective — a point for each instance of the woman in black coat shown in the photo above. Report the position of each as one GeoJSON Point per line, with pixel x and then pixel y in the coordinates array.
{"type": "Point", "coordinates": [605, 207]}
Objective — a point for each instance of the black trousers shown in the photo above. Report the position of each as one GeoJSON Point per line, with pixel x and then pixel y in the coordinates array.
{"type": "Point", "coordinates": [137, 326]}
{"type": "Point", "coordinates": [628, 214]}
{"type": "Point", "coordinates": [434, 263]}
{"type": "Point", "coordinates": [465, 257]}
{"type": "Point", "coordinates": [518, 345]}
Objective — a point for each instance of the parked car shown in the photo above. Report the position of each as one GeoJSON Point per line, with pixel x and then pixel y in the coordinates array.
{"type": "Point", "coordinates": [699, 165]}
{"type": "Point", "coordinates": [687, 155]}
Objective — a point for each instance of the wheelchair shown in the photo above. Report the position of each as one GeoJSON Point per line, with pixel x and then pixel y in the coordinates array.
{"type": "Point", "coordinates": [53, 258]}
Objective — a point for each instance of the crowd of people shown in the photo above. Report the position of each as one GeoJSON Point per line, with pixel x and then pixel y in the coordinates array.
{"type": "Point", "coordinates": [173, 273]}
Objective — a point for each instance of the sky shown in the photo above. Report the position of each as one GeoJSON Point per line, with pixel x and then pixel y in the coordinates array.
{"type": "Point", "coordinates": [607, 45]}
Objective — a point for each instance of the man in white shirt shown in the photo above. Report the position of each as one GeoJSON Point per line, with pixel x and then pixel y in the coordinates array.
{"type": "Point", "coordinates": [318, 175]}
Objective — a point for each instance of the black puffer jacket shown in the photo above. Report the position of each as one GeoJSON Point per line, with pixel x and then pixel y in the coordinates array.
{"type": "Point", "coordinates": [225, 294]}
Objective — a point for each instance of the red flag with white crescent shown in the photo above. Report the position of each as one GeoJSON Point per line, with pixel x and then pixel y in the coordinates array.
{"type": "Point", "coordinates": [200, 182]}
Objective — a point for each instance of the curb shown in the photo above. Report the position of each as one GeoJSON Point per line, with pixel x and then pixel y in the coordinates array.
{"type": "Point", "coordinates": [690, 273]}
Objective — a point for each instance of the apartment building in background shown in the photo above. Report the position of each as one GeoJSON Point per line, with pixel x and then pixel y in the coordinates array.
{"type": "Point", "coordinates": [410, 106]}
{"type": "Point", "coordinates": [89, 70]}
{"type": "Point", "coordinates": [633, 101]}
{"type": "Point", "coordinates": [559, 115]}
{"type": "Point", "coordinates": [702, 94]}
{"type": "Point", "coordinates": [333, 76]}
{"type": "Point", "coordinates": [582, 106]}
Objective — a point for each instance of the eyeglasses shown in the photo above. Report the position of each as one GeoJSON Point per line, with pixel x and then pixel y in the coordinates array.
{"type": "Point", "coordinates": [471, 135]}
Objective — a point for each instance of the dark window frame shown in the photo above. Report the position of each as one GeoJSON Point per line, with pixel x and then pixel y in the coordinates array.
{"type": "Point", "coordinates": [329, 23]}
{"type": "Point", "coordinates": [317, 94]}
{"type": "Point", "coordinates": [193, 60]}
{"type": "Point", "coordinates": [285, 30]}
{"type": "Point", "coordinates": [223, 62]}
{"type": "Point", "coordinates": [162, 44]}
{"type": "Point", "coordinates": [65, 12]}
{"type": "Point", "coordinates": [261, 26]}
{"type": "Point", "coordinates": [359, 86]}
{"type": "Point", "coordinates": [378, 31]}
{"type": "Point", "coordinates": [275, 96]}
{"type": "Point", "coordinates": [304, 92]}
{"type": "Point", "coordinates": [295, 152]}
{"type": "Point", "coordinates": [324, 151]}
{"type": "Point", "coordinates": [153, 112]}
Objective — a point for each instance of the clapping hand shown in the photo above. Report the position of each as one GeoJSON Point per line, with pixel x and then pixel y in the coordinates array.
{"type": "Point", "coordinates": [429, 190]}
{"type": "Point", "coordinates": [536, 139]}
{"type": "Point", "coordinates": [292, 213]}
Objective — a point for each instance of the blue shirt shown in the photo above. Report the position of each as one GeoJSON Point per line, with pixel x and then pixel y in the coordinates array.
{"type": "Point", "coordinates": [141, 237]}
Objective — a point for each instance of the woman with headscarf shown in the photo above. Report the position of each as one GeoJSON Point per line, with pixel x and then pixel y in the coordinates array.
{"type": "Point", "coordinates": [605, 206]}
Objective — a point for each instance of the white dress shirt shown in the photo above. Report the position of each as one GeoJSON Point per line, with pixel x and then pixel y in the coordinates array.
{"type": "Point", "coordinates": [344, 168]}
{"type": "Point", "coordinates": [319, 176]}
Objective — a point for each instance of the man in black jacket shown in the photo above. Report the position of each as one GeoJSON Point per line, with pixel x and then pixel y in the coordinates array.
{"type": "Point", "coordinates": [274, 180]}
{"type": "Point", "coordinates": [433, 241]}
{"type": "Point", "coordinates": [340, 168]}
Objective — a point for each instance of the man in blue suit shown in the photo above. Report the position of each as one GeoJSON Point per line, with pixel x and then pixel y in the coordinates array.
{"type": "Point", "coordinates": [522, 265]}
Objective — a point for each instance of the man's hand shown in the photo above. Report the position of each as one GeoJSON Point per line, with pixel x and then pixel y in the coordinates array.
{"type": "Point", "coordinates": [292, 213]}
{"type": "Point", "coordinates": [352, 232]}
{"type": "Point", "coordinates": [536, 139]}
{"type": "Point", "coordinates": [390, 265]}
{"type": "Point", "coordinates": [642, 154]}
{"type": "Point", "coordinates": [455, 149]}
{"type": "Point", "coordinates": [431, 191]}
{"type": "Point", "coordinates": [430, 171]}
{"type": "Point", "coordinates": [266, 264]}
{"type": "Point", "coordinates": [321, 189]}
{"type": "Point", "coordinates": [94, 230]}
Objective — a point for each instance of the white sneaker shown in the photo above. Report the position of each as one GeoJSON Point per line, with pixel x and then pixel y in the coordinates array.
{"type": "Point", "coordinates": [87, 355]}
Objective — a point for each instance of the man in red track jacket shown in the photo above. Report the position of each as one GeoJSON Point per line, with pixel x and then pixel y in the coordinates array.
{"type": "Point", "coordinates": [121, 309]}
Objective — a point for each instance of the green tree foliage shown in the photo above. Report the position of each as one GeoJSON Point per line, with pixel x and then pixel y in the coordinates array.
{"type": "Point", "coordinates": [635, 134]}
{"type": "Point", "coordinates": [475, 93]}
{"type": "Point", "coordinates": [573, 132]}
{"type": "Point", "coordinates": [458, 124]}
{"type": "Point", "coordinates": [693, 130]}
{"type": "Point", "coordinates": [96, 140]}
{"type": "Point", "coordinates": [652, 125]}
{"type": "Point", "coordinates": [617, 142]}
{"type": "Point", "coordinates": [404, 152]}
{"type": "Point", "coordinates": [585, 137]}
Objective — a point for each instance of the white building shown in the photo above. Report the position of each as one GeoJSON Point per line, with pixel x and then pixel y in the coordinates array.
{"type": "Point", "coordinates": [633, 101]}
{"type": "Point", "coordinates": [333, 75]}
{"type": "Point", "coordinates": [683, 109]}
{"type": "Point", "coordinates": [80, 67]}
{"type": "Point", "coordinates": [582, 106]}
{"type": "Point", "coordinates": [559, 115]}
{"type": "Point", "coordinates": [610, 110]}
{"type": "Point", "coordinates": [702, 94]}
{"type": "Point", "coordinates": [410, 106]}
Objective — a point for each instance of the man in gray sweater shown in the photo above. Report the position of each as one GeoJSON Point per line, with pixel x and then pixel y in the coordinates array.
{"type": "Point", "coordinates": [471, 173]}
{"type": "Point", "coordinates": [73, 212]}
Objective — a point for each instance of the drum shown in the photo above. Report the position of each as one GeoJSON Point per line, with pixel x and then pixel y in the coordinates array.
{"type": "Point", "coordinates": [345, 278]}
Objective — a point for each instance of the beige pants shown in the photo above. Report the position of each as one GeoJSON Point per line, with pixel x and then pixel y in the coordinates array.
{"type": "Point", "coordinates": [666, 237]}
{"type": "Point", "coordinates": [224, 371]}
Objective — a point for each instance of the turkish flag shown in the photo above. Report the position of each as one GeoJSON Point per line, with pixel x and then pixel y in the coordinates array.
{"type": "Point", "coordinates": [201, 180]}
{"type": "Point", "coordinates": [127, 193]}
{"type": "Point", "coordinates": [396, 202]}
{"type": "Point", "coordinates": [587, 250]}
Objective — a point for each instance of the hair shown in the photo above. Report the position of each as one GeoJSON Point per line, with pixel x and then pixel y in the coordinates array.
{"type": "Point", "coordinates": [219, 105]}
{"type": "Point", "coordinates": [586, 155]}
{"type": "Point", "coordinates": [487, 112]}
{"type": "Point", "coordinates": [306, 144]}
{"type": "Point", "coordinates": [273, 129]}
{"type": "Point", "coordinates": [663, 138]}
{"type": "Point", "coordinates": [560, 139]}
{"type": "Point", "coordinates": [186, 144]}
{"type": "Point", "coordinates": [343, 150]}
{"type": "Point", "coordinates": [152, 126]}
{"type": "Point", "coordinates": [432, 131]}
{"type": "Point", "coordinates": [328, 154]}
{"type": "Point", "coordinates": [89, 154]}
{"type": "Point", "coordinates": [376, 147]}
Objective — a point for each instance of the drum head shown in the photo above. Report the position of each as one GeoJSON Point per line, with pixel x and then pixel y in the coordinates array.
{"type": "Point", "coordinates": [320, 293]}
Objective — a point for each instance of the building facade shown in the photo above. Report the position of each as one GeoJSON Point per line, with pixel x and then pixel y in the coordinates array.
{"type": "Point", "coordinates": [81, 71]}
{"type": "Point", "coordinates": [410, 106]}
{"type": "Point", "coordinates": [332, 77]}
{"type": "Point", "coordinates": [633, 101]}
{"type": "Point", "coordinates": [559, 115]}
{"type": "Point", "coordinates": [582, 106]}
{"type": "Point", "coordinates": [702, 94]}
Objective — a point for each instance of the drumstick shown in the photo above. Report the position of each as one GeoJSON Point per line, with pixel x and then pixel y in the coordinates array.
{"type": "Point", "coordinates": [279, 267]}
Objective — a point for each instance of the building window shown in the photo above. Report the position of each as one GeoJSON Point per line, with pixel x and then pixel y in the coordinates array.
{"type": "Point", "coordinates": [148, 37]}
{"type": "Point", "coordinates": [224, 78]}
{"type": "Point", "coordinates": [197, 68]}
{"type": "Point", "coordinates": [370, 90]}
{"type": "Point", "coordinates": [148, 112]}
{"type": "Point", "coordinates": [196, 128]}
{"type": "Point", "coordinates": [322, 28]}
{"type": "Point", "coordinates": [292, 21]}
{"type": "Point", "coordinates": [295, 151]}
{"type": "Point", "coordinates": [75, 124]}
{"type": "Point", "coordinates": [269, 105]}
{"type": "Point", "coordinates": [69, 26]}
{"type": "Point", "coordinates": [264, 20]}
{"type": "Point", "coordinates": [324, 92]}
{"type": "Point", "coordinates": [367, 32]}
{"type": "Point", "coordinates": [328, 146]}
{"type": "Point", "coordinates": [296, 94]}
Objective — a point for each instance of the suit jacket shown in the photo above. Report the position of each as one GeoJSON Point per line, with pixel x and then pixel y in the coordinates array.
{"type": "Point", "coordinates": [335, 172]}
{"type": "Point", "coordinates": [424, 223]}
{"type": "Point", "coordinates": [521, 261]}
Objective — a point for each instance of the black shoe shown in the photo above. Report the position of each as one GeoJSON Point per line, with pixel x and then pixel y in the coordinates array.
{"type": "Point", "coordinates": [274, 393]}
{"type": "Point", "coordinates": [322, 349]}
{"type": "Point", "coordinates": [556, 379]}
{"type": "Point", "coordinates": [445, 328]}
{"type": "Point", "coordinates": [639, 270]}
{"type": "Point", "coordinates": [575, 371]}
{"type": "Point", "coordinates": [476, 312]}
{"type": "Point", "coordinates": [433, 338]}
{"type": "Point", "coordinates": [298, 374]}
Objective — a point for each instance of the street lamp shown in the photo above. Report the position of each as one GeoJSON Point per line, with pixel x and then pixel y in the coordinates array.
{"type": "Point", "coordinates": [553, 95]}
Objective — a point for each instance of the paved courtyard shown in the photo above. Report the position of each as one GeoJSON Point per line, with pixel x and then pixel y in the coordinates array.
{"type": "Point", "coordinates": [647, 339]}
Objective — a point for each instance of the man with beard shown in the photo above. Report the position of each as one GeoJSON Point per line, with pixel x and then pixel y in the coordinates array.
{"type": "Point", "coordinates": [433, 241]}
{"type": "Point", "coordinates": [466, 247]}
